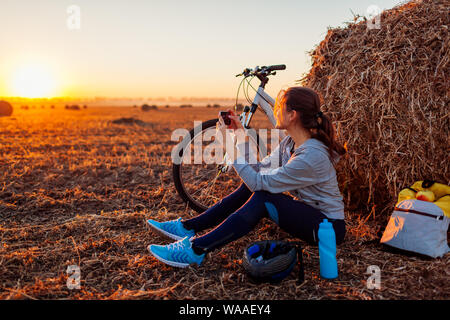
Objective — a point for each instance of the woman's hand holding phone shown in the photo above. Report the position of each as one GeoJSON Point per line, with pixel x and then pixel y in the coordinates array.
{"type": "Point", "coordinates": [221, 127]}
{"type": "Point", "coordinates": [234, 122]}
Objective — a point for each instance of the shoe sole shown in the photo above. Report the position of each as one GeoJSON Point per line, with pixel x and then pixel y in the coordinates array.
{"type": "Point", "coordinates": [168, 234]}
{"type": "Point", "coordinates": [170, 263]}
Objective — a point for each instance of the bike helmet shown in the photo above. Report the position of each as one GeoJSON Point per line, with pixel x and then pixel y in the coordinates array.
{"type": "Point", "coordinates": [271, 260]}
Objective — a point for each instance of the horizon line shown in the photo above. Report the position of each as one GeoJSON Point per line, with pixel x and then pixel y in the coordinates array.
{"type": "Point", "coordinates": [106, 98]}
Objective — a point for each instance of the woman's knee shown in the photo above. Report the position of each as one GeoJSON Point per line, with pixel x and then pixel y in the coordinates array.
{"type": "Point", "coordinates": [254, 209]}
{"type": "Point", "coordinates": [244, 219]}
{"type": "Point", "coordinates": [261, 195]}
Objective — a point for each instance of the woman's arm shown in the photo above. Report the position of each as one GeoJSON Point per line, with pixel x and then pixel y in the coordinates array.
{"type": "Point", "coordinates": [295, 174]}
{"type": "Point", "coordinates": [248, 154]}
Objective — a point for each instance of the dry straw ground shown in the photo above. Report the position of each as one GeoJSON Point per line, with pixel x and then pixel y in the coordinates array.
{"type": "Point", "coordinates": [76, 188]}
{"type": "Point", "coordinates": [387, 91]}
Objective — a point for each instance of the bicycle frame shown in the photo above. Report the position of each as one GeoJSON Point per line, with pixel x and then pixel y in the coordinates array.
{"type": "Point", "coordinates": [266, 102]}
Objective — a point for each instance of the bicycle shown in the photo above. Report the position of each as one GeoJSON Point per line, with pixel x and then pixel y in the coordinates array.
{"type": "Point", "coordinates": [212, 182]}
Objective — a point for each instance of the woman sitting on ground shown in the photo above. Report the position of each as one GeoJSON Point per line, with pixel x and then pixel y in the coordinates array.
{"type": "Point", "coordinates": [302, 164]}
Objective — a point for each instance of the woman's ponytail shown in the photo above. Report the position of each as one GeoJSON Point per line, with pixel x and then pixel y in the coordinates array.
{"type": "Point", "coordinates": [325, 132]}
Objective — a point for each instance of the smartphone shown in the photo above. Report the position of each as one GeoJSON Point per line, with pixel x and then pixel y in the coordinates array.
{"type": "Point", "coordinates": [225, 116]}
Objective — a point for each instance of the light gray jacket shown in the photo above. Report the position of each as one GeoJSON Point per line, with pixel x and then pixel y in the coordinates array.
{"type": "Point", "coordinates": [307, 174]}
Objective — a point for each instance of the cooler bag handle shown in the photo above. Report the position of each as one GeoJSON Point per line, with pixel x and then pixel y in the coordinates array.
{"type": "Point", "coordinates": [420, 212]}
{"type": "Point", "coordinates": [427, 183]}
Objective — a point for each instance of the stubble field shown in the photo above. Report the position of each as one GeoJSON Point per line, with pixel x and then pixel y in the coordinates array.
{"type": "Point", "coordinates": [76, 189]}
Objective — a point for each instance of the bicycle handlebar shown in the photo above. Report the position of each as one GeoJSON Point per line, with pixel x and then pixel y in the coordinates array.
{"type": "Point", "coordinates": [276, 67]}
{"type": "Point", "coordinates": [262, 71]}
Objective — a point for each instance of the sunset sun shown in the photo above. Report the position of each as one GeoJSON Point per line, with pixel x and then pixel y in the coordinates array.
{"type": "Point", "coordinates": [33, 81]}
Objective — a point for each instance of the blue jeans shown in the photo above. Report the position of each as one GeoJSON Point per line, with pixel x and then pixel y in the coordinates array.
{"type": "Point", "coordinates": [238, 213]}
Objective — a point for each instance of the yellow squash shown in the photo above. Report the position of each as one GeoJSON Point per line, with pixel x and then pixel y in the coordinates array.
{"type": "Point", "coordinates": [441, 193]}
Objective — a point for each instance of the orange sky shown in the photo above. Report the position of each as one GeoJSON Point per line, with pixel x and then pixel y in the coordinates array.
{"type": "Point", "coordinates": [159, 48]}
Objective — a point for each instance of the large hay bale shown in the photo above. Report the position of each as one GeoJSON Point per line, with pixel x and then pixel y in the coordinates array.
{"type": "Point", "coordinates": [6, 109]}
{"type": "Point", "coordinates": [387, 91]}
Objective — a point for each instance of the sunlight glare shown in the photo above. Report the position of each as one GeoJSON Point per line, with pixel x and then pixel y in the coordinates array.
{"type": "Point", "coordinates": [33, 81]}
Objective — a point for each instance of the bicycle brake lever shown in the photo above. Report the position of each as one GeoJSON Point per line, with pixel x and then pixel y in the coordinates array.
{"type": "Point", "coordinates": [244, 73]}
